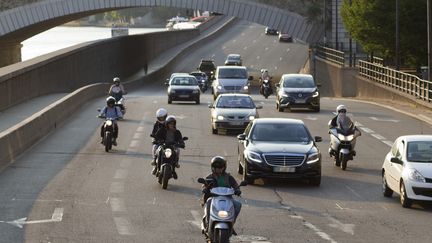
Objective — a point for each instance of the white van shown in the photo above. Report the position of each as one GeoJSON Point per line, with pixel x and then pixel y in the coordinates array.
{"type": "Point", "coordinates": [231, 79]}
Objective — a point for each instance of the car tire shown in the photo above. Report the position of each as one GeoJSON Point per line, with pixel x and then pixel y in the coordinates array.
{"type": "Point", "coordinates": [240, 167]}
{"type": "Point", "coordinates": [169, 100]}
{"type": "Point", "coordinates": [315, 181]}
{"type": "Point", "coordinates": [404, 200]}
{"type": "Point", "coordinates": [197, 101]}
{"type": "Point", "coordinates": [245, 177]}
{"type": "Point", "coordinates": [316, 109]}
{"type": "Point", "coordinates": [387, 192]}
{"type": "Point", "coordinates": [280, 109]}
{"type": "Point", "coordinates": [214, 130]}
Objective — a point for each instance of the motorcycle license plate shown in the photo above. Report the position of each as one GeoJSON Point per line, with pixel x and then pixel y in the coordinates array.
{"type": "Point", "coordinates": [284, 169]}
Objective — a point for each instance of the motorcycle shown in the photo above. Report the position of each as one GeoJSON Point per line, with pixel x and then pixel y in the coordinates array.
{"type": "Point", "coordinates": [165, 161]}
{"type": "Point", "coordinates": [221, 217]}
{"type": "Point", "coordinates": [203, 85]}
{"type": "Point", "coordinates": [108, 130]}
{"type": "Point", "coordinates": [266, 89]}
{"type": "Point", "coordinates": [342, 145]}
{"type": "Point", "coordinates": [120, 101]}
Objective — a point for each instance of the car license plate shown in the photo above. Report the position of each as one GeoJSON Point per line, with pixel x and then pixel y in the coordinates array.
{"type": "Point", "coordinates": [283, 169]}
{"type": "Point", "coordinates": [184, 96]}
{"type": "Point", "coordinates": [236, 123]}
{"type": "Point", "coordinates": [300, 101]}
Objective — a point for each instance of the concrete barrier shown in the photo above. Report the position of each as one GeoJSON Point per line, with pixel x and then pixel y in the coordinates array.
{"type": "Point", "coordinates": [22, 136]}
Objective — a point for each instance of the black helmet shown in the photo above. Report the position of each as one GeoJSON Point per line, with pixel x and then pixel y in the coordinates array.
{"type": "Point", "coordinates": [218, 162]}
{"type": "Point", "coordinates": [110, 100]}
{"type": "Point", "coordinates": [170, 119]}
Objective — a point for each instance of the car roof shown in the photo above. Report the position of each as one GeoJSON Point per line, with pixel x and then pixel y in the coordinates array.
{"type": "Point", "coordinates": [182, 75]}
{"type": "Point", "coordinates": [240, 95]}
{"type": "Point", "coordinates": [197, 72]}
{"type": "Point", "coordinates": [278, 121]}
{"type": "Point", "coordinates": [416, 138]}
{"type": "Point", "coordinates": [296, 75]}
{"type": "Point", "coordinates": [177, 74]}
{"type": "Point", "coordinates": [233, 55]}
{"type": "Point", "coordinates": [231, 67]}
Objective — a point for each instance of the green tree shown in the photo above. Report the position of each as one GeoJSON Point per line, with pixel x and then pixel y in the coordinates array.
{"type": "Point", "coordinates": [372, 24]}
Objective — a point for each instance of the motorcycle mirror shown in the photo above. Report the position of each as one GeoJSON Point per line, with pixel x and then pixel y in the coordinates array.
{"type": "Point", "coordinates": [201, 180]}
{"type": "Point", "coordinates": [99, 110]}
{"type": "Point", "coordinates": [243, 183]}
{"type": "Point", "coordinates": [185, 138]}
{"type": "Point", "coordinates": [318, 139]}
{"type": "Point", "coordinates": [166, 83]}
{"type": "Point", "coordinates": [210, 106]}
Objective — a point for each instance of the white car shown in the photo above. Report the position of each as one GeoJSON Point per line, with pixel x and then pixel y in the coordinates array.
{"type": "Point", "coordinates": [407, 169]}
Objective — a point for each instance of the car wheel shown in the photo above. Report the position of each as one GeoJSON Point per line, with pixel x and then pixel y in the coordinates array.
{"type": "Point", "coordinates": [317, 109]}
{"type": "Point", "coordinates": [197, 101]}
{"type": "Point", "coordinates": [280, 109]}
{"type": "Point", "coordinates": [245, 176]}
{"type": "Point", "coordinates": [404, 200]}
{"type": "Point", "coordinates": [315, 181]}
{"type": "Point", "coordinates": [214, 130]}
{"type": "Point", "coordinates": [169, 100]}
{"type": "Point", "coordinates": [240, 167]}
{"type": "Point", "coordinates": [387, 192]}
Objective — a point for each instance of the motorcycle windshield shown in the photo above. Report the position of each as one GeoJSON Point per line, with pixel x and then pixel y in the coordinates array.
{"type": "Point", "coordinates": [222, 191]}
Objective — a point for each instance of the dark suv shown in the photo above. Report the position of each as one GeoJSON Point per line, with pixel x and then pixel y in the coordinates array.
{"type": "Point", "coordinates": [297, 91]}
{"type": "Point", "coordinates": [208, 67]}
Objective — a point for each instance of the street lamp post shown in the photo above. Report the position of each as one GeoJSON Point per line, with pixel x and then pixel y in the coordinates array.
{"type": "Point", "coordinates": [397, 37]}
{"type": "Point", "coordinates": [429, 24]}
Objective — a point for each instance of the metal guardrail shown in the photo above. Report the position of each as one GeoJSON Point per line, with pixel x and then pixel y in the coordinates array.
{"type": "Point", "coordinates": [401, 81]}
{"type": "Point", "coordinates": [332, 55]}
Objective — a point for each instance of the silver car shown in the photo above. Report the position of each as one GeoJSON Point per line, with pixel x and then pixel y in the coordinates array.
{"type": "Point", "coordinates": [232, 112]}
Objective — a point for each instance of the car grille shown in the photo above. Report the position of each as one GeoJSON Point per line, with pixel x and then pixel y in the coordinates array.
{"type": "Point", "coordinates": [284, 159]}
{"type": "Point", "coordinates": [183, 91]}
{"type": "Point", "coordinates": [236, 117]}
{"type": "Point", "coordinates": [233, 88]}
{"type": "Point", "coordinates": [423, 191]}
{"type": "Point", "coordinates": [300, 95]}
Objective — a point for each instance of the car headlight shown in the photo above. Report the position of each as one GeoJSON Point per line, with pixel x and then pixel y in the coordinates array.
{"type": "Point", "coordinates": [283, 94]}
{"type": "Point", "coordinates": [414, 175]}
{"type": "Point", "coordinates": [168, 153]}
{"type": "Point", "coordinates": [172, 91]}
{"type": "Point", "coordinates": [253, 156]}
{"type": "Point", "coordinates": [251, 118]}
{"type": "Point", "coordinates": [246, 87]}
{"type": "Point", "coordinates": [220, 118]}
{"type": "Point", "coordinates": [195, 91]}
{"type": "Point", "coordinates": [315, 94]}
{"type": "Point", "coordinates": [313, 158]}
{"type": "Point", "coordinates": [223, 214]}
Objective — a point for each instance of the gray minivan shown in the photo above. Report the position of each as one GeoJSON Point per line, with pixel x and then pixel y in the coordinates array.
{"type": "Point", "coordinates": [231, 79]}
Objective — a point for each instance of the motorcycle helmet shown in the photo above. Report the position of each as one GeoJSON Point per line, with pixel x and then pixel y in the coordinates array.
{"type": "Point", "coordinates": [341, 108]}
{"type": "Point", "coordinates": [161, 114]}
{"type": "Point", "coordinates": [116, 80]}
{"type": "Point", "coordinates": [218, 162]}
{"type": "Point", "coordinates": [170, 119]}
{"type": "Point", "coordinates": [264, 70]}
{"type": "Point", "coordinates": [110, 100]}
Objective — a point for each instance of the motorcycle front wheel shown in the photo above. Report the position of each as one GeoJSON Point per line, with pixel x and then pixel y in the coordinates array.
{"type": "Point", "coordinates": [222, 236]}
{"type": "Point", "coordinates": [166, 175]}
{"type": "Point", "coordinates": [343, 162]}
{"type": "Point", "coordinates": [108, 141]}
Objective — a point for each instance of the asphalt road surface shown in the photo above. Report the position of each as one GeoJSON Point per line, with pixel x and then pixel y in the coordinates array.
{"type": "Point", "coordinates": [67, 189]}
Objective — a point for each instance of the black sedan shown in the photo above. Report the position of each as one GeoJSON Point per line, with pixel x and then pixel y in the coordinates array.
{"type": "Point", "coordinates": [183, 87]}
{"type": "Point", "coordinates": [270, 31]}
{"type": "Point", "coordinates": [297, 91]}
{"type": "Point", "coordinates": [279, 148]}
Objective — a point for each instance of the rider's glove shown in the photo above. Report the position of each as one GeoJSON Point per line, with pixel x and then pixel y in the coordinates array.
{"type": "Point", "coordinates": [237, 193]}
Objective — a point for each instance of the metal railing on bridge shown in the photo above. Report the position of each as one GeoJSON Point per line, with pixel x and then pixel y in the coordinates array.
{"type": "Point", "coordinates": [398, 80]}
{"type": "Point", "coordinates": [332, 55]}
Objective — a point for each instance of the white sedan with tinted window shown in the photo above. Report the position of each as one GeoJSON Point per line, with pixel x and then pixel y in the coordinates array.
{"type": "Point", "coordinates": [407, 169]}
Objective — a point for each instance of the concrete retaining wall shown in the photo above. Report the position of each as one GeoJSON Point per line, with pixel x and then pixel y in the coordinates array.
{"type": "Point", "coordinates": [335, 81]}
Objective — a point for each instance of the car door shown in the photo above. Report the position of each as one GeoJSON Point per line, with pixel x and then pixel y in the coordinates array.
{"type": "Point", "coordinates": [242, 145]}
{"type": "Point", "coordinates": [395, 170]}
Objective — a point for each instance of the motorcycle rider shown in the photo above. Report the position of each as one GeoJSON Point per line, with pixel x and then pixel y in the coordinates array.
{"type": "Point", "coordinates": [113, 112]}
{"type": "Point", "coordinates": [341, 120]}
{"type": "Point", "coordinates": [171, 135]}
{"type": "Point", "coordinates": [117, 90]}
{"type": "Point", "coordinates": [161, 115]}
{"type": "Point", "coordinates": [265, 76]}
{"type": "Point", "coordinates": [220, 178]}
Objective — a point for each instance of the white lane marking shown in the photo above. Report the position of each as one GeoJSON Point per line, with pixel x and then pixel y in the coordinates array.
{"type": "Point", "coordinates": [120, 174]}
{"type": "Point", "coordinates": [367, 130]}
{"type": "Point", "coordinates": [266, 48]}
{"type": "Point", "coordinates": [280, 58]}
{"type": "Point", "coordinates": [288, 50]}
{"type": "Point", "coordinates": [354, 192]}
{"type": "Point", "coordinates": [106, 201]}
{"type": "Point", "coordinates": [245, 48]}
{"type": "Point", "coordinates": [276, 68]}
{"type": "Point", "coordinates": [296, 216]}
{"type": "Point", "coordinates": [140, 129]}
{"type": "Point", "coordinates": [383, 120]}
{"type": "Point", "coordinates": [57, 216]}
{"type": "Point", "coordinates": [138, 135]}
{"type": "Point", "coordinates": [389, 143]}
{"type": "Point", "coordinates": [319, 232]}
{"type": "Point", "coordinates": [213, 55]}
{"type": "Point", "coordinates": [274, 41]}
{"type": "Point", "coordinates": [117, 204]}
{"type": "Point", "coordinates": [223, 47]}
{"type": "Point", "coordinates": [311, 118]}
{"type": "Point", "coordinates": [117, 187]}
{"type": "Point", "coordinates": [181, 117]}
{"type": "Point", "coordinates": [234, 40]}
{"type": "Point", "coordinates": [377, 136]}
{"type": "Point", "coordinates": [340, 207]}
{"type": "Point", "coordinates": [252, 66]}
{"type": "Point", "coordinates": [225, 153]}
{"type": "Point", "coordinates": [197, 219]}
{"type": "Point", "coordinates": [134, 143]}
{"type": "Point", "coordinates": [242, 34]}
{"type": "Point", "coordinates": [155, 101]}
{"type": "Point", "coordinates": [125, 163]}
{"type": "Point", "coordinates": [123, 225]}
{"type": "Point", "coordinates": [253, 41]}
{"type": "Point", "coordinates": [347, 228]}
{"type": "Point", "coordinates": [258, 57]}
{"type": "Point", "coordinates": [428, 120]}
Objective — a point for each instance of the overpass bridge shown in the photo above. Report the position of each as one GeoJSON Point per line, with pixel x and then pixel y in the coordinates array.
{"type": "Point", "coordinates": [32, 17]}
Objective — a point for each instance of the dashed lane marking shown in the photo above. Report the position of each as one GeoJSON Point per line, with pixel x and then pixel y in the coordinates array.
{"type": "Point", "coordinates": [389, 143]}
{"type": "Point", "coordinates": [117, 187]}
{"type": "Point", "coordinates": [134, 143]}
{"type": "Point", "coordinates": [138, 135]}
{"type": "Point", "coordinates": [377, 136]}
{"type": "Point", "coordinates": [117, 204]}
{"type": "Point", "coordinates": [123, 225]}
{"type": "Point", "coordinates": [140, 129]}
{"type": "Point", "coordinates": [120, 174]}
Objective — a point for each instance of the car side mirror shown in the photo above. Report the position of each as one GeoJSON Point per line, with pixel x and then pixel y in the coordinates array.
{"type": "Point", "coordinates": [241, 137]}
{"type": "Point", "coordinates": [318, 139]}
{"type": "Point", "coordinates": [243, 183]}
{"type": "Point", "coordinates": [185, 138]}
{"type": "Point", "coordinates": [396, 161]}
{"type": "Point", "coordinates": [259, 107]}
{"type": "Point", "coordinates": [277, 85]}
{"type": "Point", "coordinates": [166, 84]}
{"type": "Point", "coordinates": [210, 106]}
{"type": "Point", "coordinates": [250, 78]}
{"type": "Point", "coordinates": [201, 180]}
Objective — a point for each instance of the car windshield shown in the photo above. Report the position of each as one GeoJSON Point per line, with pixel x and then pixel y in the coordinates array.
{"type": "Point", "coordinates": [298, 82]}
{"type": "Point", "coordinates": [420, 151]}
{"type": "Point", "coordinates": [184, 81]}
{"type": "Point", "coordinates": [235, 102]}
{"type": "Point", "coordinates": [232, 73]}
{"type": "Point", "coordinates": [280, 132]}
{"type": "Point", "coordinates": [233, 58]}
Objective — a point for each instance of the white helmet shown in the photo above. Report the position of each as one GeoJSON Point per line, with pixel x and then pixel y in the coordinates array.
{"type": "Point", "coordinates": [263, 70]}
{"type": "Point", "coordinates": [171, 119]}
{"type": "Point", "coordinates": [116, 79]}
{"type": "Point", "coordinates": [340, 107]}
{"type": "Point", "coordinates": [161, 114]}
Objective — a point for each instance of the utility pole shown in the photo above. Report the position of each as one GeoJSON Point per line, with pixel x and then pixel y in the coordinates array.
{"type": "Point", "coordinates": [429, 24]}
{"type": "Point", "coordinates": [336, 24]}
{"type": "Point", "coordinates": [350, 45]}
{"type": "Point", "coordinates": [397, 37]}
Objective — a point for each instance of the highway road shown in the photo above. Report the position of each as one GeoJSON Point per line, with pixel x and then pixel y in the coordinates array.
{"type": "Point", "coordinates": [67, 189]}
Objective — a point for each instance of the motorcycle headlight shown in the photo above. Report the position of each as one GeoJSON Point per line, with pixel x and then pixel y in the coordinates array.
{"type": "Point", "coordinates": [350, 137]}
{"type": "Point", "coordinates": [312, 158]}
{"type": "Point", "coordinates": [223, 214]}
{"type": "Point", "coordinates": [168, 153]}
{"type": "Point", "coordinates": [341, 137]}
{"type": "Point", "coordinates": [246, 87]}
{"type": "Point", "coordinates": [219, 87]}
{"type": "Point", "coordinates": [220, 118]}
{"type": "Point", "coordinates": [315, 94]}
{"type": "Point", "coordinates": [414, 175]}
{"type": "Point", "coordinates": [251, 118]}
{"type": "Point", "coordinates": [109, 123]}
{"type": "Point", "coordinates": [253, 156]}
